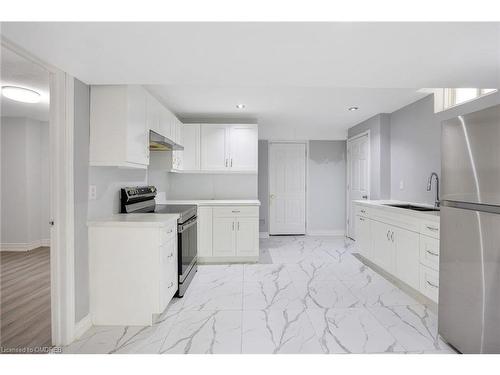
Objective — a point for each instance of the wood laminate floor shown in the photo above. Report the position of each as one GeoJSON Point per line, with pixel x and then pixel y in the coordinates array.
{"type": "Point", "coordinates": [25, 299]}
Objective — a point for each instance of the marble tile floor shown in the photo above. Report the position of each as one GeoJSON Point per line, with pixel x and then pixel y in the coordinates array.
{"type": "Point", "coordinates": [307, 295]}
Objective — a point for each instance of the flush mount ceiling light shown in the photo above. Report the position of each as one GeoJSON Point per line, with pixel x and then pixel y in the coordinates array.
{"type": "Point", "coordinates": [240, 106]}
{"type": "Point", "coordinates": [20, 94]}
{"type": "Point", "coordinates": [353, 108]}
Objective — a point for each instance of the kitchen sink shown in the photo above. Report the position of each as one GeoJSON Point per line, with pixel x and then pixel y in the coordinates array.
{"type": "Point", "coordinates": [412, 207]}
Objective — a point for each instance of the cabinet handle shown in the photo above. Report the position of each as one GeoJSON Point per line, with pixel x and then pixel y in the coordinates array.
{"type": "Point", "coordinates": [235, 211]}
{"type": "Point", "coordinates": [432, 228]}
{"type": "Point", "coordinates": [361, 219]}
{"type": "Point", "coordinates": [238, 225]}
{"type": "Point", "coordinates": [226, 163]}
{"type": "Point", "coordinates": [387, 235]}
{"type": "Point", "coordinates": [431, 284]}
{"type": "Point", "coordinates": [392, 236]}
{"type": "Point", "coordinates": [432, 253]}
{"type": "Point", "coordinates": [233, 225]}
{"type": "Point", "coordinates": [171, 285]}
{"type": "Point", "coordinates": [170, 231]}
{"type": "Point", "coordinates": [171, 255]}
{"type": "Point", "coordinates": [363, 211]}
{"type": "Point", "coordinates": [231, 162]}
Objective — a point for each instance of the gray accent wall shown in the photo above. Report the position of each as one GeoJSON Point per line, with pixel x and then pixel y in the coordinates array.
{"type": "Point", "coordinates": [263, 186]}
{"type": "Point", "coordinates": [81, 184]}
{"type": "Point", "coordinates": [415, 150]}
{"type": "Point", "coordinates": [380, 174]}
{"type": "Point", "coordinates": [24, 178]}
{"type": "Point", "coordinates": [326, 188]}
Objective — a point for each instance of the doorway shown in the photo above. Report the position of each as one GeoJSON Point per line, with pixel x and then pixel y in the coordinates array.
{"type": "Point", "coordinates": [287, 188]}
{"type": "Point", "coordinates": [358, 176]}
{"type": "Point", "coordinates": [25, 276]}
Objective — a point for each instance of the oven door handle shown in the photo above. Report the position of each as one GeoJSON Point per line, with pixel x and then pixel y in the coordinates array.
{"type": "Point", "coordinates": [187, 225]}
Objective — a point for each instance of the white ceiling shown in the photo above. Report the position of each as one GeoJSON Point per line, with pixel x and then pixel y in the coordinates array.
{"type": "Point", "coordinates": [294, 77]}
{"type": "Point", "coordinates": [284, 112]}
{"type": "Point", "coordinates": [18, 71]}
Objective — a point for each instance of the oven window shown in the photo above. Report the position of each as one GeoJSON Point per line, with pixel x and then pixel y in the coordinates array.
{"type": "Point", "coordinates": [187, 249]}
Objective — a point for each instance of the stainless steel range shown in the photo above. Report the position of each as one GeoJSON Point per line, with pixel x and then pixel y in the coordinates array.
{"type": "Point", "coordinates": [141, 199]}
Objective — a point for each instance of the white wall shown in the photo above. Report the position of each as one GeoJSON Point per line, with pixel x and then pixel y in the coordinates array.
{"type": "Point", "coordinates": [199, 186]}
{"type": "Point", "coordinates": [326, 189]}
{"type": "Point", "coordinates": [25, 215]}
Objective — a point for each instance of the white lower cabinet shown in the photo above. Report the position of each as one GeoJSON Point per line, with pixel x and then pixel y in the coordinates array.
{"type": "Point", "coordinates": [363, 230]}
{"type": "Point", "coordinates": [205, 230]}
{"type": "Point", "coordinates": [404, 245]}
{"type": "Point", "coordinates": [133, 271]}
{"type": "Point", "coordinates": [224, 237]}
{"type": "Point", "coordinates": [407, 256]}
{"type": "Point", "coordinates": [383, 249]}
{"type": "Point", "coordinates": [228, 233]}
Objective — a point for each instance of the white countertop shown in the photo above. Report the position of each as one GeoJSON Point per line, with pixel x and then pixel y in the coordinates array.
{"type": "Point", "coordinates": [135, 220]}
{"type": "Point", "coordinates": [214, 202]}
{"type": "Point", "coordinates": [430, 215]}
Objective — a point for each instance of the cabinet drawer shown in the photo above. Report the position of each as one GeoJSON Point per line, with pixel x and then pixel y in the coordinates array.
{"type": "Point", "coordinates": [362, 210]}
{"type": "Point", "coordinates": [430, 228]}
{"type": "Point", "coordinates": [429, 282]}
{"type": "Point", "coordinates": [236, 211]}
{"type": "Point", "coordinates": [168, 233]}
{"type": "Point", "coordinates": [429, 252]}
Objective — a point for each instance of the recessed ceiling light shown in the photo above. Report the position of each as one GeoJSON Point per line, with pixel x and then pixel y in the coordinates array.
{"type": "Point", "coordinates": [20, 94]}
{"type": "Point", "coordinates": [240, 106]}
{"type": "Point", "coordinates": [353, 108]}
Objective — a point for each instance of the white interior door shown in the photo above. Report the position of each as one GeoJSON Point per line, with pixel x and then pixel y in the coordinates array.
{"type": "Point", "coordinates": [287, 188]}
{"type": "Point", "coordinates": [358, 155]}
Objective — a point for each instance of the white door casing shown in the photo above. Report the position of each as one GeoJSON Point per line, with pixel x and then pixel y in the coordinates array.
{"type": "Point", "coordinates": [358, 176]}
{"type": "Point", "coordinates": [287, 188]}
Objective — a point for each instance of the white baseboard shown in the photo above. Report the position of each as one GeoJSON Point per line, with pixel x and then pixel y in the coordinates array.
{"type": "Point", "coordinates": [338, 232]}
{"type": "Point", "coordinates": [83, 326]}
{"type": "Point", "coordinates": [24, 246]}
{"type": "Point", "coordinates": [263, 234]}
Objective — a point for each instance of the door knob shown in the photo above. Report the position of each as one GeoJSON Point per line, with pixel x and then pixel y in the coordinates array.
{"type": "Point", "coordinates": [271, 196]}
{"type": "Point", "coordinates": [365, 197]}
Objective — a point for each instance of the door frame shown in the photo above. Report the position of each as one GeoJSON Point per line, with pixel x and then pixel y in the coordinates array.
{"type": "Point", "coordinates": [62, 271]}
{"type": "Point", "coordinates": [306, 143]}
{"type": "Point", "coordinates": [348, 175]}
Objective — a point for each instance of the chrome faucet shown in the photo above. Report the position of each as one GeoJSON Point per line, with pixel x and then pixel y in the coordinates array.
{"type": "Point", "coordinates": [429, 186]}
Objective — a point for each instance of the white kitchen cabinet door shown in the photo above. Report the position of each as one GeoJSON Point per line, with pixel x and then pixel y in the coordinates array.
{"type": "Point", "coordinates": [363, 240]}
{"type": "Point", "coordinates": [214, 147]}
{"type": "Point", "coordinates": [224, 237]}
{"type": "Point", "coordinates": [407, 256]}
{"type": "Point", "coordinates": [243, 141]}
{"type": "Point", "coordinates": [247, 236]}
{"type": "Point", "coordinates": [204, 231]}
{"type": "Point", "coordinates": [383, 249]}
{"type": "Point", "coordinates": [137, 131]}
{"type": "Point", "coordinates": [166, 122]}
{"type": "Point", "coordinates": [153, 114]}
{"type": "Point", "coordinates": [168, 278]}
{"type": "Point", "coordinates": [191, 142]}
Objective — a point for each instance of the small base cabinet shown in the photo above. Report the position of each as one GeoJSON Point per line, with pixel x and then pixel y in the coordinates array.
{"type": "Point", "coordinates": [228, 233]}
{"type": "Point", "coordinates": [404, 245]}
{"type": "Point", "coordinates": [133, 272]}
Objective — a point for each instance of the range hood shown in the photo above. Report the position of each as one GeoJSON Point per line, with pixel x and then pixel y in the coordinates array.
{"type": "Point", "coordinates": [158, 142]}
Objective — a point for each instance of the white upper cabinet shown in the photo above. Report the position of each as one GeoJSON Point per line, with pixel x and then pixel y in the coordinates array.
{"type": "Point", "coordinates": [192, 144]}
{"type": "Point", "coordinates": [229, 148]}
{"type": "Point", "coordinates": [121, 117]}
{"type": "Point", "coordinates": [214, 147]}
{"type": "Point", "coordinates": [243, 145]}
{"type": "Point", "coordinates": [119, 134]}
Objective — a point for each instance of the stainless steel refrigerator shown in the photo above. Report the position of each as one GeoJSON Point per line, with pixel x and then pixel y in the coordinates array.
{"type": "Point", "coordinates": [469, 270]}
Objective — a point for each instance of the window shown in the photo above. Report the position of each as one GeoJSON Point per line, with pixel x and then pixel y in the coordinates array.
{"type": "Point", "coordinates": [450, 97]}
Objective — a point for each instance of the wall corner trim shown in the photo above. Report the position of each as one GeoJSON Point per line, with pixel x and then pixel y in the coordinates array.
{"type": "Point", "coordinates": [83, 326]}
